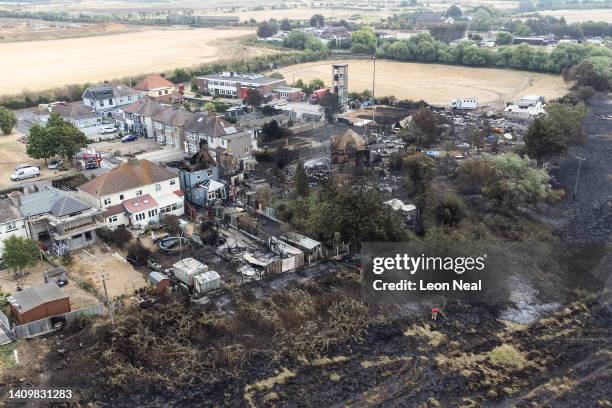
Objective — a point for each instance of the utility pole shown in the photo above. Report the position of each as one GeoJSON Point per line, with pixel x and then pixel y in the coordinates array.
{"type": "Point", "coordinates": [109, 303]}
{"type": "Point", "coordinates": [373, 88]}
{"type": "Point", "coordinates": [580, 160]}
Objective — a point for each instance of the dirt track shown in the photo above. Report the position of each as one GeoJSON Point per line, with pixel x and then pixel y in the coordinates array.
{"type": "Point", "coordinates": [38, 65]}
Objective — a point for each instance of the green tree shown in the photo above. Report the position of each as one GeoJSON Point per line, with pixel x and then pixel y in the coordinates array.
{"type": "Point", "coordinates": [209, 107]}
{"type": "Point", "coordinates": [420, 170]}
{"type": "Point", "coordinates": [542, 142]}
{"type": "Point", "coordinates": [503, 38]}
{"type": "Point", "coordinates": [454, 12]}
{"type": "Point", "coordinates": [8, 120]}
{"type": "Point", "coordinates": [70, 139]}
{"type": "Point", "coordinates": [19, 253]}
{"type": "Point", "coordinates": [317, 20]}
{"type": "Point", "coordinates": [285, 24]}
{"type": "Point", "coordinates": [302, 40]}
{"type": "Point", "coordinates": [331, 106]}
{"type": "Point", "coordinates": [267, 29]}
{"type": "Point", "coordinates": [423, 130]}
{"type": "Point", "coordinates": [363, 41]}
{"type": "Point", "coordinates": [300, 179]}
{"type": "Point", "coordinates": [523, 30]}
{"type": "Point", "coordinates": [253, 98]}
{"type": "Point", "coordinates": [41, 143]}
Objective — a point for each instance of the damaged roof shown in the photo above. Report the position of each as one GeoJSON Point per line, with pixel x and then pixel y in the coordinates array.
{"type": "Point", "coordinates": [35, 296]}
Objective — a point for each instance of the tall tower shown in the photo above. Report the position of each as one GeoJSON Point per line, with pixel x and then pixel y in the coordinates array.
{"type": "Point", "coordinates": [340, 83]}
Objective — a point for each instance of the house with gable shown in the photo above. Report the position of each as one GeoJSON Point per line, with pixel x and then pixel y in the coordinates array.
{"type": "Point", "coordinates": [108, 97]}
{"type": "Point", "coordinates": [135, 194]}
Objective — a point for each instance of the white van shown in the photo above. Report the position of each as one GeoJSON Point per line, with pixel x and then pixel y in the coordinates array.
{"type": "Point", "coordinates": [25, 173]}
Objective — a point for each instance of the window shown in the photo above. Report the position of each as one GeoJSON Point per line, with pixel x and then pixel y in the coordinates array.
{"type": "Point", "coordinates": [110, 102]}
{"type": "Point", "coordinates": [11, 226]}
{"type": "Point", "coordinates": [158, 93]}
{"type": "Point", "coordinates": [107, 201]}
{"type": "Point", "coordinates": [129, 98]}
{"type": "Point", "coordinates": [172, 182]}
{"type": "Point", "coordinates": [152, 213]}
{"type": "Point", "coordinates": [138, 193]}
{"type": "Point", "coordinates": [112, 219]}
{"type": "Point", "coordinates": [88, 235]}
{"type": "Point", "coordinates": [166, 92]}
{"type": "Point", "coordinates": [140, 216]}
{"type": "Point", "coordinates": [121, 197]}
{"type": "Point", "coordinates": [158, 187]}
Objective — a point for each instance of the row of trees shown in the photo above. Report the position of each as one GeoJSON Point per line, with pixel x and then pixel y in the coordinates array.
{"type": "Point", "coordinates": [57, 137]}
{"type": "Point", "coordinates": [423, 47]}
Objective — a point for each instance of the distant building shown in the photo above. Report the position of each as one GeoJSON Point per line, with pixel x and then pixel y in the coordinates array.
{"type": "Point", "coordinates": [542, 40]}
{"type": "Point", "coordinates": [517, 113]}
{"type": "Point", "coordinates": [134, 194]}
{"type": "Point", "coordinates": [108, 97]}
{"type": "Point", "coordinates": [289, 94]}
{"type": "Point", "coordinates": [39, 302]}
{"type": "Point", "coordinates": [78, 114]}
{"type": "Point", "coordinates": [530, 100]}
{"type": "Point", "coordinates": [235, 85]}
{"type": "Point", "coordinates": [159, 88]}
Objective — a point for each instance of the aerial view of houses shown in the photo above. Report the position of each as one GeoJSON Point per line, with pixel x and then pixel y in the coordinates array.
{"type": "Point", "coordinates": [392, 204]}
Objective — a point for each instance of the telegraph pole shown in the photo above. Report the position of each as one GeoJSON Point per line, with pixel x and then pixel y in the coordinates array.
{"type": "Point", "coordinates": [580, 160]}
{"type": "Point", "coordinates": [109, 303]}
{"type": "Point", "coordinates": [373, 88]}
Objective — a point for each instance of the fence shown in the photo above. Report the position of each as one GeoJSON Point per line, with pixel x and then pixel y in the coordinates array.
{"type": "Point", "coordinates": [44, 325]}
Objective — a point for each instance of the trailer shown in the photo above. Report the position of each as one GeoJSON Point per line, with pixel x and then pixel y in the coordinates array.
{"type": "Point", "coordinates": [464, 104]}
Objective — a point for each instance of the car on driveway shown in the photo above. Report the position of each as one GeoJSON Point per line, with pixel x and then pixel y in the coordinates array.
{"type": "Point", "coordinates": [108, 129]}
{"type": "Point", "coordinates": [24, 166]}
{"type": "Point", "coordinates": [55, 164]}
{"type": "Point", "coordinates": [128, 138]}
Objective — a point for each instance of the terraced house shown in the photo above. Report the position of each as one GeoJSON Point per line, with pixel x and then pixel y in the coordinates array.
{"type": "Point", "coordinates": [169, 127]}
{"type": "Point", "coordinates": [134, 194]}
{"type": "Point", "coordinates": [220, 135]}
{"type": "Point", "coordinates": [138, 116]}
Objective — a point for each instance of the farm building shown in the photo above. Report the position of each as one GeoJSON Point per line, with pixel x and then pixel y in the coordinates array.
{"type": "Point", "coordinates": [39, 302]}
{"type": "Point", "coordinates": [159, 281]}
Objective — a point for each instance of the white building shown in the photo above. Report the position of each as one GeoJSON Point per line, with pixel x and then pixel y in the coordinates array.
{"type": "Point", "coordinates": [464, 104]}
{"type": "Point", "coordinates": [12, 223]}
{"type": "Point", "coordinates": [108, 97]}
{"type": "Point", "coordinates": [517, 113]}
{"type": "Point", "coordinates": [135, 194]}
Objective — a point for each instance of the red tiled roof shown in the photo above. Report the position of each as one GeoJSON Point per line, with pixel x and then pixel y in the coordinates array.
{"type": "Point", "coordinates": [153, 82]}
{"type": "Point", "coordinates": [127, 176]}
{"type": "Point", "coordinates": [138, 204]}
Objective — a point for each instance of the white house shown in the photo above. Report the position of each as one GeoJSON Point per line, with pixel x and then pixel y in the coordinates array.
{"type": "Point", "coordinates": [108, 97]}
{"type": "Point", "coordinates": [135, 193]}
{"type": "Point", "coordinates": [11, 222]}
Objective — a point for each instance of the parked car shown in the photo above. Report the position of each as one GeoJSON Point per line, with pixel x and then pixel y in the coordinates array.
{"type": "Point", "coordinates": [128, 138]}
{"type": "Point", "coordinates": [91, 164]}
{"type": "Point", "coordinates": [108, 129]}
{"type": "Point", "coordinates": [24, 166]}
{"type": "Point", "coordinates": [25, 173]}
{"type": "Point", "coordinates": [55, 164]}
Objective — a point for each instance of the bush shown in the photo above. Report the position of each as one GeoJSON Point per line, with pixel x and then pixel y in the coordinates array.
{"type": "Point", "coordinates": [138, 253]}
{"type": "Point", "coordinates": [119, 236]}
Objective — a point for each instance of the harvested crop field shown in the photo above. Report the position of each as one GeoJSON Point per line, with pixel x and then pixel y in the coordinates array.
{"type": "Point", "coordinates": [39, 65]}
{"type": "Point", "coordinates": [437, 84]}
{"type": "Point", "coordinates": [579, 16]}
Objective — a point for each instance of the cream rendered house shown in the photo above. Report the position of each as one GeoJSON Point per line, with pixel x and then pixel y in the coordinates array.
{"type": "Point", "coordinates": [135, 194]}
